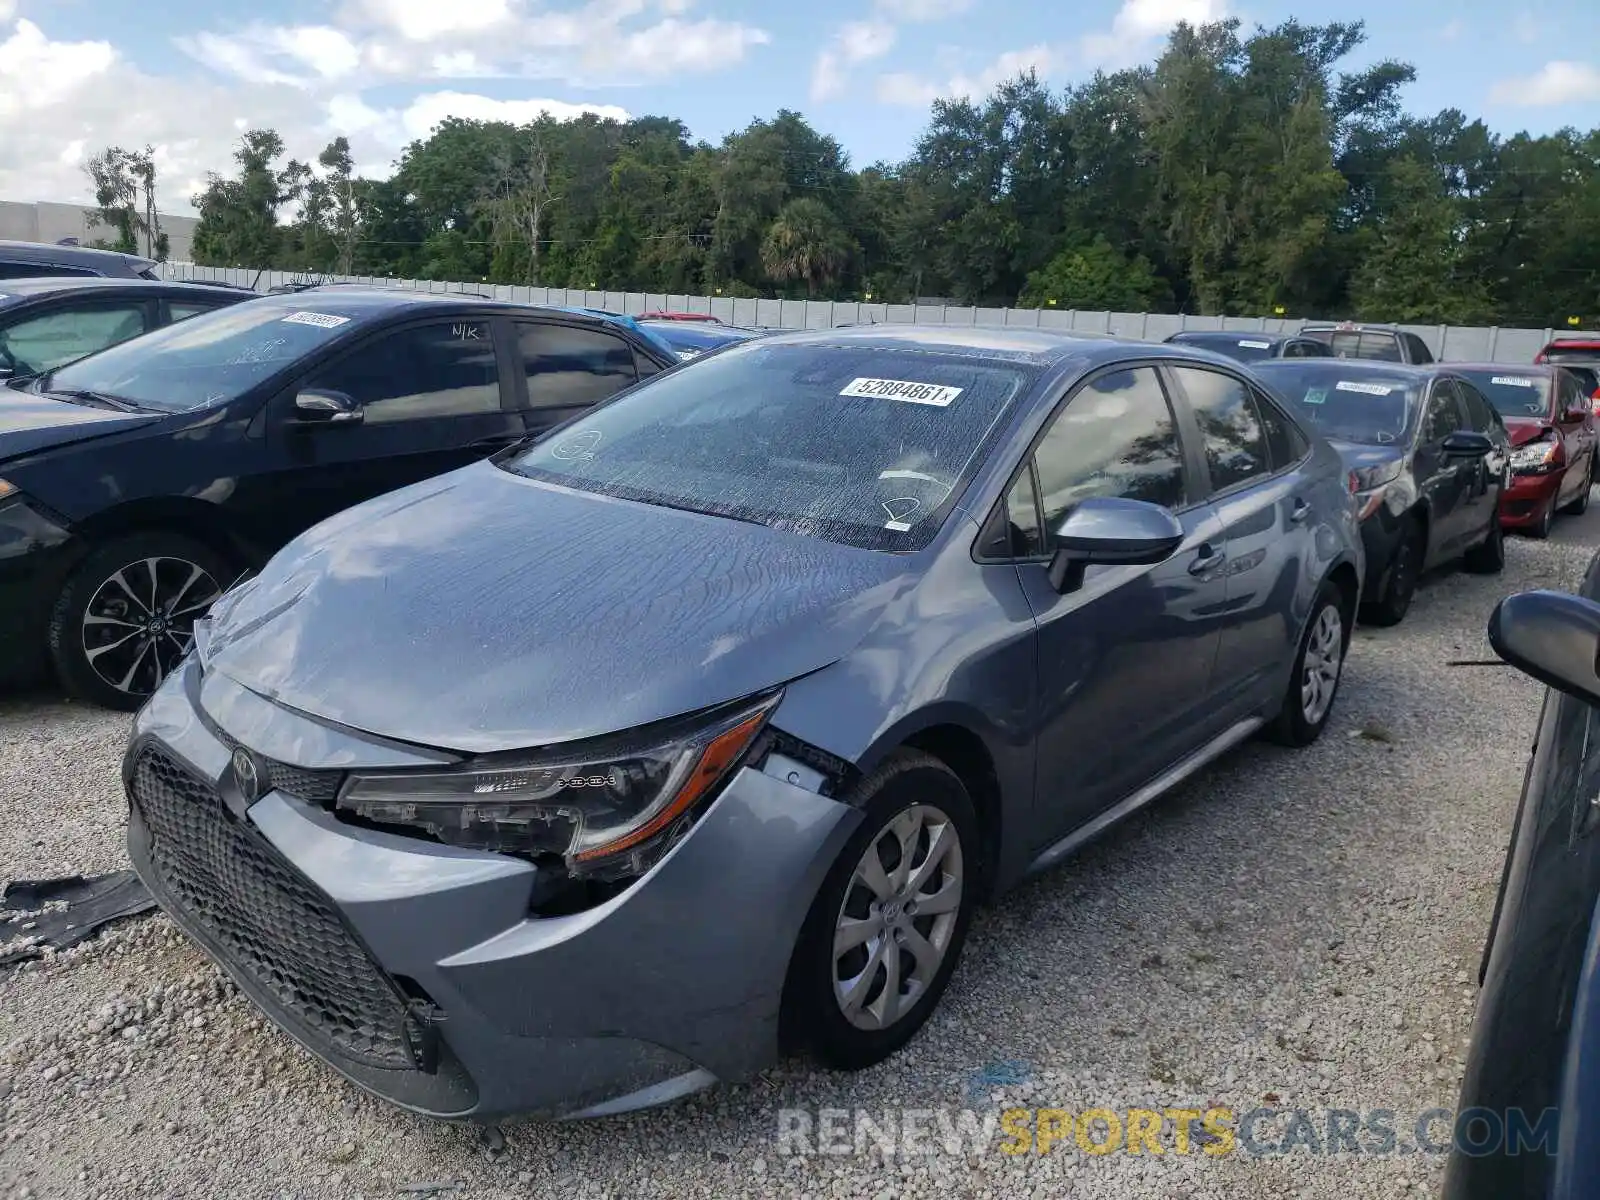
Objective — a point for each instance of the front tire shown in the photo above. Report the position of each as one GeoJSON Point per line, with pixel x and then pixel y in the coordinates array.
{"type": "Point", "coordinates": [1400, 588]}
{"type": "Point", "coordinates": [1318, 667]}
{"type": "Point", "coordinates": [887, 926]}
{"type": "Point", "coordinates": [126, 616]}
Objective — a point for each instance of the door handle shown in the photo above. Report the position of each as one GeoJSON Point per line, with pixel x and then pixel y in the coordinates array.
{"type": "Point", "coordinates": [1207, 561]}
{"type": "Point", "coordinates": [1299, 512]}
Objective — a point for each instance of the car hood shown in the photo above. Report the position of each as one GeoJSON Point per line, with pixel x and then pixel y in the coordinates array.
{"type": "Point", "coordinates": [30, 422]}
{"type": "Point", "coordinates": [482, 611]}
{"type": "Point", "coordinates": [1524, 429]}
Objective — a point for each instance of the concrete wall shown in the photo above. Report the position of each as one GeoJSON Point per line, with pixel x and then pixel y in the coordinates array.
{"type": "Point", "coordinates": [1457, 343]}
{"type": "Point", "coordinates": [49, 222]}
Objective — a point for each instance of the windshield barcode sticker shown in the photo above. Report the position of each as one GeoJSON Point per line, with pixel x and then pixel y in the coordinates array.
{"type": "Point", "coordinates": [1513, 380]}
{"type": "Point", "coordinates": [1366, 389]}
{"type": "Point", "coordinates": [320, 320]}
{"type": "Point", "coordinates": [938, 395]}
{"type": "Point", "coordinates": [1256, 345]}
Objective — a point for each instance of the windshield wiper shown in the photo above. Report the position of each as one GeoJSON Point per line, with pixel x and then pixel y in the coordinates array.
{"type": "Point", "coordinates": [81, 395]}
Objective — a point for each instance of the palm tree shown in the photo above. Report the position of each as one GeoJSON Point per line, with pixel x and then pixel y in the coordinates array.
{"type": "Point", "coordinates": [808, 243]}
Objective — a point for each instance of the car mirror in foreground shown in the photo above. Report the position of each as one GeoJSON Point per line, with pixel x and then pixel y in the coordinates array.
{"type": "Point", "coordinates": [1105, 531]}
{"type": "Point", "coordinates": [316, 406]}
{"type": "Point", "coordinates": [1552, 636]}
{"type": "Point", "coordinates": [1464, 443]}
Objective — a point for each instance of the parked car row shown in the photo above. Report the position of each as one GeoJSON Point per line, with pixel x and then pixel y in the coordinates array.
{"type": "Point", "coordinates": [484, 650]}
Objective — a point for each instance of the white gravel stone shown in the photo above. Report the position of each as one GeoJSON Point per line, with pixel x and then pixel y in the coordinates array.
{"type": "Point", "coordinates": [1286, 929]}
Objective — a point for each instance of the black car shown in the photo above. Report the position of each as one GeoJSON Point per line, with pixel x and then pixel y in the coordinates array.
{"type": "Point", "coordinates": [28, 260]}
{"type": "Point", "coordinates": [1382, 342]}
{"type": "Point", "coordinates": [1252, 347]}
{"type": "Point", "coordinates": [138, 483]}
{"type": "Point", "coordinates": [48, 322]}
{"type": "Point", "coordinates": [1429, 458]}
{"type": "Point", "coordinates": [1525, 1116]}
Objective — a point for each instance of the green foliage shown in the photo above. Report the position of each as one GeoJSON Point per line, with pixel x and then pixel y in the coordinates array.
{"type": "Point", "coordinates": [1239, 173]}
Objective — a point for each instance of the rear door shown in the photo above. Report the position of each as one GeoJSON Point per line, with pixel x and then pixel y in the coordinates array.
{"type": "Point", "coordinates": [434, 395]}
{"type": "Point", "coordinates": [1482, 498]}
{"type": "Point", "coordinates": [1447, 483]}
{"type": "Point", "coordinates": [53, 333]}
{"type": "Point", "coordinates": [1253, 456]}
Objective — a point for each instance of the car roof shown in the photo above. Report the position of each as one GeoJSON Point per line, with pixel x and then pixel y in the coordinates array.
{"type": "Point", "coordinates": [1038, 347]}
{"type": "Point", "coordinates": [70, 256]}
{"type": "Point", "coordinates": [50, 285]}
{"type": "Point", "coordinates": [1508, 368]}
{"type": "Point", "coordinates": [1349, 327]}
{"type": "Point", "coordinates": [1331, 365]}
{"type": "Point", "coordinates": [1229, 335]}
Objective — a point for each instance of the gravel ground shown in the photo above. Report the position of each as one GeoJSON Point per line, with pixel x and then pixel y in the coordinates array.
{"type": "Point", "coordinates": [1292, 929]}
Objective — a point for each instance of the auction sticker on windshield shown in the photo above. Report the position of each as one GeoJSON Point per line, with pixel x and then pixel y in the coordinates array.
{"type": "Point", "coordinates": [1256, 345]}
{"type": "Point", "coordinates": [1514, 381]}
{"type": "Point", "coordinates": [1366, 389]}
{"type": "Point", "coordinates": [320, 320]}
{"type": "Point", "coordinates": [938, 395]}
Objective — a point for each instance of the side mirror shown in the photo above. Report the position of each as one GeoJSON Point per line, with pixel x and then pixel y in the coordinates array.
{"type": "Point", "coordinates": [1106, 531]}
{"type": "Point", "coordinates": [1464, 443]}
{"type": "Point", "coordinates": [1552, 636]}
{"type": "Point", "coordinates": [319, 406]}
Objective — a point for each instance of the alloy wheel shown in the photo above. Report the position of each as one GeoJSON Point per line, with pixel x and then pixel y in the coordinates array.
{"type": "Point", "coordinates": [898, 917]}
{"type": "Point", "coordinates": [140, 621]}
{"type": "Point", "coordinates": [1324, 656]}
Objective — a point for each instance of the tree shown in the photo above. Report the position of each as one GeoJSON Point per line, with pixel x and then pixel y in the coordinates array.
{"type": "Point", "coordinates": [239, 217]}
{"type": "Point", "coordinates": [124, 184]}
{"type": "Point", "coordinates": [807, 244]}
{"type": "Point", "coordinates": [1414, 270]}
{"type": "Point", "coordinates": [1094, 277]}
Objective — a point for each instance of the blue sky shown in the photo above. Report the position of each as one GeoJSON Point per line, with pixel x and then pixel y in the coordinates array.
{"type": "Point", "coordinates": [76, 75]}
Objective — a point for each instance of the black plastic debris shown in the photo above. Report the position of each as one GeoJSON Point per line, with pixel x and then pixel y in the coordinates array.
{"type": "Point", "coordinates": [59, 913]}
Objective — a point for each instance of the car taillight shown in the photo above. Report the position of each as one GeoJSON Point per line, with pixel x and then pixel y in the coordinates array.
{"type": "Point", "coordinates": [1353, 482]}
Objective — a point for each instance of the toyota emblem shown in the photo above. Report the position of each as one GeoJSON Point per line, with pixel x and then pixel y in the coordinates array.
{"type": "Point", "coordinates": [247, 775]}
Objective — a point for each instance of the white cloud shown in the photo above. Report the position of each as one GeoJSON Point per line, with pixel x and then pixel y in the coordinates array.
{"type": "Point", "coordinates": [855, 43]}
{"type": "Point", "coordinates": [426, 20]}
{"type": "Point", "coordinates": [1139, 25]}
{"type": "Point", "coordinates": [36, 73]}
{"type": "Point", "coordinates": [913, 91]}
{"type": "Point", "coordinates": [419, 118]}
{"type": "Point", "coordinates": [297, 55]}
{"type": "Point", "coordinates": [923, 10]}
{"type": "Point", "coordinates": [1452, 30]}
{"type": "Point", "coordinates": [1554, 83]}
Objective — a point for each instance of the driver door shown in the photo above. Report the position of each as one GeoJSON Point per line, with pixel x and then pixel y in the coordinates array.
{"type": "Point", "coordinates": [1125, 661]}
{"type": "Point", "coordinates": [1448, 483]}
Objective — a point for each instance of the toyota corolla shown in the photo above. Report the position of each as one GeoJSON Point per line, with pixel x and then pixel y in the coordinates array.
{"type": "Point", "coordinates": [585, 777]}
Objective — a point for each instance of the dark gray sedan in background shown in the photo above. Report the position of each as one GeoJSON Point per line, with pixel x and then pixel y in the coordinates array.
{"type": "Point", "coordinates": [580, 779]}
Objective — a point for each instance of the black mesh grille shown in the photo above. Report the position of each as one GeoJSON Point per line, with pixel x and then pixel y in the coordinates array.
{"type": "Point", "coordinates": [266, 918]}
{"type": "Point", "coordinates": [314, 787]}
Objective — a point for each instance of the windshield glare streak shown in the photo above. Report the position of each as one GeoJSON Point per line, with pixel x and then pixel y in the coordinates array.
{"type": "Point", "coordinates": [863, 446]}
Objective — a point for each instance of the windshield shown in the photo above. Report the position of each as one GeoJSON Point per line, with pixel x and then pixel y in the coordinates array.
{"type": "Point", "coordinates": [864, 446]}
{"type": "Point", "coordinates": [1245, 349]}
{"type": "Point", "coordinates": [207, 359]}
{"type": "Point", "coordinates": [1513, 393]}
{"type": "Point", "coordinates": [1346, 403]}
{"type": "Point", "coordinates": [693, 337]}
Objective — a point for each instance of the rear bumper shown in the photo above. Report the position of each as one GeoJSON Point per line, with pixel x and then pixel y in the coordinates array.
{"type": "Point", "coordinates": [1523, 503]}
{"type": "Point", "coordinates": [661, 990]}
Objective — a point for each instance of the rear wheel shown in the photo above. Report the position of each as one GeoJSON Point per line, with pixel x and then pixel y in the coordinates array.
{"type": "Point", "coordinates": [1400, 585]}
{"type": "Point", "coordinates": [1318, 667]}
{"type": "Point", "coordinates": [1488, 557]}
{"type": "Point", "coordinates": [126, 616]}
{"type": "Point", "coordinates": [887, 926]}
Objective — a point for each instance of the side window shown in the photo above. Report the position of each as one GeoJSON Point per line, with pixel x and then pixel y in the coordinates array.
{"type": "Point", "coordinates": [39, 270]}
{"type": "Point", "coordinates": [1285, 443]}
{"type": "Point", "coordinates": [567, 365]}
{"type": "Point", "coordinates": [1419, 348]}
{"type": "Point", "coordinates": [1234, 440]}
{"type": "Point", "coordinates": [45, 342]}
{"type": "Point", "coordinates": [1293, 349]}
{"type": "Point", "coordinates": [1345, 345]}
{"type": "Point", "coordinates": [643, 366]}
{"type": "Point", "coordinates": [1314, 349]}
{"type": "Point", "coordinates": [444, 370]}
{"type": "Point", "coordinates": [1480, 417]}
{"type": "Point", "coordinates": [1014, 530]}
{"type": "Point", "coordinates": [1442, 419]}
{"type": "Point", "coordinates": [182, 310]}
{"type": "Point", "coordinates": [1116, 437]}
{"type": "Point", "coordinates": [1382, 346]}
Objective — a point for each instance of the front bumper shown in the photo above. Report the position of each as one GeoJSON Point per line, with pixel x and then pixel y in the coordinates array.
{"type": "Point", "coordinates": [418, 971]}
{"type": "Point", "coordinates": [35, 557]}
{"type": "Point", "coordinates": [1523, 503]}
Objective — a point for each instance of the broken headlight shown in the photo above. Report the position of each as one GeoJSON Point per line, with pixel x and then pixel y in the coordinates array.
{"type": "Point", "coordinates": [610, 810]}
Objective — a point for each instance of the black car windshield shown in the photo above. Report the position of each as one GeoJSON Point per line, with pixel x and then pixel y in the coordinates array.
{"type": "Point", "coordinates": [1242, 347]}
{"type": "Point", "coordinates": [1514, 393]}
{"type": "Point", "coordinates": [1346, 402]}
{"type": "Point", "coordinates": [207, 359]}
{"type": "Point", "coordinates": [860, 445]}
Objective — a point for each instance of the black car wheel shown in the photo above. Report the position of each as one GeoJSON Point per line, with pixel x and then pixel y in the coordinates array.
{"type": "Point", "coordinates": [1488, 557]}
{"type": "Point", "coordinates": [888, 924]}
{"type": "Point", "coordinates": [1400, 585]}
{"type": "Point", "coordinates": [126, 616]}
{"type": "Point", "coordinates": [1318, 667]}
{"type": "Point", "coordinates": [1579, 504]}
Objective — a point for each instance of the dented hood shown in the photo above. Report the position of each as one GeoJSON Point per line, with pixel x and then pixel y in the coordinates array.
{"type": "Point", "coordinates": [482, 611]}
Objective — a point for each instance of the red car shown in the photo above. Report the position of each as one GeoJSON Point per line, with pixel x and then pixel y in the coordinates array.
{"type": "Point", "coordinates": [679, 316]}
{"type": "Point", "coordinates": [1553, 429]}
